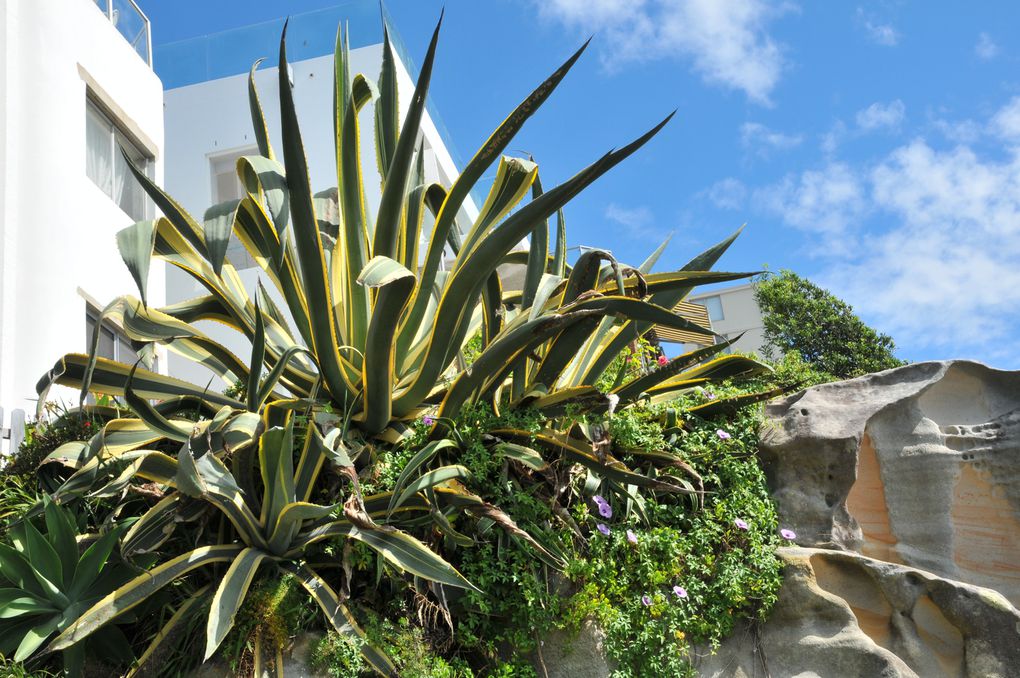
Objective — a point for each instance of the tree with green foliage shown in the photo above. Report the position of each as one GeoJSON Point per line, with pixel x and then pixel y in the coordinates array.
{"type": "Point", "coordinates": [822, 329]}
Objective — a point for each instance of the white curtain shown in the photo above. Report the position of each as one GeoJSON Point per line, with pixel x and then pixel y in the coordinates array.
{"type": "Point", "coordinates": [98, 143]}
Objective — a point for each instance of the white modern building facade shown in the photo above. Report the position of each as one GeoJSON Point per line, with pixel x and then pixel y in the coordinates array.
{"type": "Point", "coordinates": [208, 123]}
{"type": "Point", "coordinates": [733, 311]}
{"type": "Point", "coordinates": [76, 89]}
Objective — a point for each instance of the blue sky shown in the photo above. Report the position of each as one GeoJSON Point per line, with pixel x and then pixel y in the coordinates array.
{"type": "Point", "coordinates": [873, 147]}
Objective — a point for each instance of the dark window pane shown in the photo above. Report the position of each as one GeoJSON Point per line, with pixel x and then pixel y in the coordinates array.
{"type": "Point", "coordinates": [107, 343]}
{"type": "Point", "coordinates": [127, 354]}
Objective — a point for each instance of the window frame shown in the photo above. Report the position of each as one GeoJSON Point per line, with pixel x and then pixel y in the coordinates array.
{"type": "Point", "coordinates": [236, 252]}
{"type": "Point", "coordinates": [120, 338]}
{"type": "Point", "coordinates": [119, 137]}
{"type": "Point", "coordinates": [718, 299]}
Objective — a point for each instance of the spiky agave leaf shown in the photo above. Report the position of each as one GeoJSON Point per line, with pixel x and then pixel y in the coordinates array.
{"type": "Point", "coordinates": [369, 335]}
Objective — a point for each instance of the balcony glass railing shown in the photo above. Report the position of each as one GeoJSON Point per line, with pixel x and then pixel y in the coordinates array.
{"type": "Point", "coordinates": [132, 23]}
{"type": "Point", "coordinates": [309, 35]}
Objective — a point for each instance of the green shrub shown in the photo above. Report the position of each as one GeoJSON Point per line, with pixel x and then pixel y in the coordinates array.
{"type": "Point", "coordinates": [338, 656]}
{"type": "Point", "coordinates": [274, 611]}
{"type": "Point", "coordinates": [726, 572]}
{"type": "Point", "coordinates": [41, 438]}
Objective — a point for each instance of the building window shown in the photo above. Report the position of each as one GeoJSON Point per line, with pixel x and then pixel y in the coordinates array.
{"type": "Point", "coordinates": [226, 186]}
{"type": "Point", "coordinates": [113, 343]}
{"type": "Point", "coordinates": [714, 306]}
{"type": "Point", "coordinates": [105, 147]}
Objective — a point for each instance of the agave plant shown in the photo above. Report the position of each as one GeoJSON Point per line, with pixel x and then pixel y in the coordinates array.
{"type": "Point", "coordinates": [372, 326]}
{"type": "Point", "coordinates": [48, 584]}
{"type": "Point", "coordinates": [368, 338]}
{"type": "Point", "coordinates": [275, 528]}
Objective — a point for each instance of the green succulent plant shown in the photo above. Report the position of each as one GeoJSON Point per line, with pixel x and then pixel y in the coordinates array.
{"type": "Point", "coordinates": [369, 339]}
{"type": "Point", "coordinates": [377, 326]}
{"type": "Point", "coordinates": [275, 526]}
{"type": "Point", "coordinates": [47, 584]}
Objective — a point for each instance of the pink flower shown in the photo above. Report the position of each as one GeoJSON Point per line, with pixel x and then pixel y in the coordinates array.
{"type": "Point", "coordinates": [427, 420]}
{"type": "Point", "coordinates": [680, 591]}
{"type": "Point", "coordinates": [723, 435]}
{"type": "Point", "coordinates": [631, 537]}
{"type": "Point", "coordinates": [646, 600]}
{"type": "Point", "coordinates": [663, 360]}
{"type": "Point", "coordinates": [741, 524]}
{"type": "Point", "coordinates": [788, 534]}
{"type": "Point", "coordinates": [603, 528]}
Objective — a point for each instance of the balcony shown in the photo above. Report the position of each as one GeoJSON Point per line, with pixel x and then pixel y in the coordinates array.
{"type": "Point", "coordinates": [232, 52]}
{"type": "Point", "coordinates": [130, 22]}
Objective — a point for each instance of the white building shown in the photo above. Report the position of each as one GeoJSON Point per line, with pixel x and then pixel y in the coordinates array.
{"type": "Point", "coordinates": [76, 87]}
{"type": "Point", "coordinates": [732, 311]}
{"type": "Point", "coordinates": [208, 123]}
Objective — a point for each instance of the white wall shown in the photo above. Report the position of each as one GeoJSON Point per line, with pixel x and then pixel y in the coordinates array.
{"type": "Point", "coordinates": [56, 227]}
{"type": "Point", "coordinates": [740, 314]}
{"type": "Point", "coordinates": [211, 118]}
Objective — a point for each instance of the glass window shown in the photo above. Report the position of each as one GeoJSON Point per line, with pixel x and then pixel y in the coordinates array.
{"type": "Point", "coordinates": [714, 306]}
{"type": "Point", "coordinates": [105, 164]}
{"type": "Point", "coordinates": [225, 183]}
{"type": "Point", "coordinates": [113, 344]}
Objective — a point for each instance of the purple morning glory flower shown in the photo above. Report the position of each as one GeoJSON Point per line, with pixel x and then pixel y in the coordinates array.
{"type": "Point", "coordinates": [598, 499]}
{"type": "Point", "coordinates": [603, 528]}
{"type": "Point", "coordinates": [723, 435]}
{"type": "Point", "coordinates": [680, 591]}
{"type": "Point", "coordinates": [631, 537]}
{"type": "Point", "coordinates": [788, 534]}
{"type": "Point", "coordinates": [741, 524]}
{"type": "Point", "coordinates": [427, 420]}
{"type": "Point", "coordinates": [605, 510]}
{"type": "Point", "coordinates": [646, 600]}
{"type": "Point", "coordinates": [709, 395]}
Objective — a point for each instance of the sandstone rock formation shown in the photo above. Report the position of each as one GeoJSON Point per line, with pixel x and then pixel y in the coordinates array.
{"type": "Point", "coordinates": [841, 614]}
{"type": "Point", "coordinates": [904, 487]}
{"type": "Point", "coordinates": [919, 465]}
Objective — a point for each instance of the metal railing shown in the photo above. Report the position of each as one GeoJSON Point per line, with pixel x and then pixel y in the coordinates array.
{"type": "Point", "coordinates": [131, 22]}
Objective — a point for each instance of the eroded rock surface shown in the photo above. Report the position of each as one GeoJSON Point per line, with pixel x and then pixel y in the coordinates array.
{"type": "Point", "coordinates": [842, 614]}
{"type": "Point", "coordinates": [919, 465]}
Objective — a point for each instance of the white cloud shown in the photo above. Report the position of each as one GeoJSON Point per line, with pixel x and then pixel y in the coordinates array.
{"type": "Point", "coordinates": [761, 139]}
{"type": "Point", "coordinates": [727, 43]}
{"type": "Point", "coordinates": [924, 242]}
{"type": "Point", "coordinates": [833, 138]}
{"type": "Point", "coordinates": [958, 131]}
{"type": "Point", "coordinates": [947, 274]}
{"type": "Point", "coordinates": [985, 48]}
{"type": "Point", "coordinates": [637, 221]}
{"type": "Point", "coordinates": [879, 115]}
{"type": "Point", "coordinates": [881, 33]}
{"type": "Point", "coordinates": [1006, 122]}
{"type": "Point", "coordinates": [727, 194]}
{"type": "Point", "coordinates": [826, 203]}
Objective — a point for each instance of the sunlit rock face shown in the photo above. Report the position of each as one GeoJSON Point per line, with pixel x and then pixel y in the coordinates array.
{"type": "Point", "coordinates": [919, 466]}
{"type": "Point", "coordinates": [903, 488]}
{"type": "Point", "coordinates": [844, 614]}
